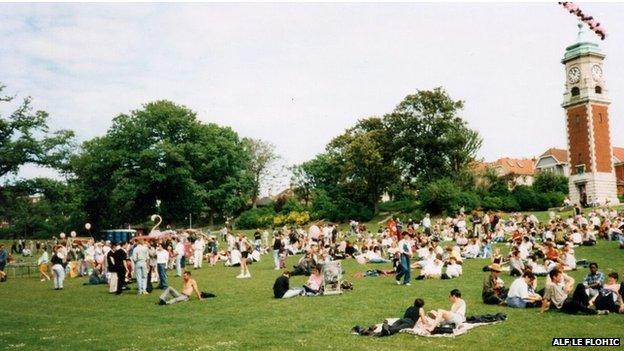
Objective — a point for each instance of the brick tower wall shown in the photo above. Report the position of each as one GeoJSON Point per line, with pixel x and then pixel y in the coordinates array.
{"type": "Point", "coordinates": [602, 144]}
{"type": "Point", "coordinates": [578, 138]}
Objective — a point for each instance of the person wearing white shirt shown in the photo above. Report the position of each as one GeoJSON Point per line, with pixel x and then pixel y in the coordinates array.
{"type": "Point", "coordinates": [453, 270]}
{"type": "Point", "coordinates": [456, 315]}
{"type": "Point", "coordinates": [179, 251]}
{"type": "Point", "coordinates": [426, 223]}
{"type": "Point", "coordinates": [198, 252]}
{"type": "Point", "coordinates": [162, 258]}
{"type": "Point", "coordinates": [405, 251]}
{"type": "Point", "coordinates": [519, 295]}
{"type": "Point", "coordinates": [234, 259]}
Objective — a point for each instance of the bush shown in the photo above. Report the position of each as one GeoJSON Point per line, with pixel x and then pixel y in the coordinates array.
{"type": "Point", "coordinates": [261, 217]}
{"type": "Point", "coordinates": [469, 200]}
{"type": "Point", "coordinates": [294, 217]}
{"type": "Point", "coordinates": [547, 182]}
{"type": "Point", "coordinates": [525, 197]}
{"type": "Point", "coordinates": [510, 204]}
{"type": "Point", "coordinates": [492, 203]}
{"type": "Point", "coordinates": [440, 196]}
{"type": "Point", "coordinates": [405, 206]}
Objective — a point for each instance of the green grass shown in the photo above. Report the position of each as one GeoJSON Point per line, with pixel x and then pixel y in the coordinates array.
{"type": "Point", "coordinates": [244, 315]}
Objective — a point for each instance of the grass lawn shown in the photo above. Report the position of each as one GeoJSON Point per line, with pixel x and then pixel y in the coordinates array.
{"type": "Point", "coordinates": [244, 314]}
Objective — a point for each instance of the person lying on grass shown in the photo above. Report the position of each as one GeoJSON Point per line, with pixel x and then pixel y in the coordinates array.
{"type": "Point", "coordinates": [412, 315]}
{"type": "Point", "coordinates": [171, 296]}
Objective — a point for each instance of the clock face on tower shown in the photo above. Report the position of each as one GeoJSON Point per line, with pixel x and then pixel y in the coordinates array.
{"type": "Point", "coordinates": [596, 72]}
{"type": "Point", "coordinates": [574, 75]}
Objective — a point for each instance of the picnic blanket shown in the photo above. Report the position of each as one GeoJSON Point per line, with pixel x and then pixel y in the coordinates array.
{"type": "Point", "coordinates": [417, 330]}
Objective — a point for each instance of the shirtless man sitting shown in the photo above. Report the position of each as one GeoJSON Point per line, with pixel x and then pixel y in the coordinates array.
{"type": "Point", "coordinates": [171, 296]}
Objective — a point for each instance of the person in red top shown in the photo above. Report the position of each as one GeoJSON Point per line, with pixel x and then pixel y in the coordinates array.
{"type": "Point", "coordinates": [552, 253]}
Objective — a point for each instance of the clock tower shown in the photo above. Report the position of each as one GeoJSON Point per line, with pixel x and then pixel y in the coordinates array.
{"type": "Point", "coordinates": [586, 103]}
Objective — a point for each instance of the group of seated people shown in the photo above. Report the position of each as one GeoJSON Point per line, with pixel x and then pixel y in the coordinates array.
{"type": "Point", "coordinates": [592, 296]}
{"type": "Point", "coordinates": [313, 287]}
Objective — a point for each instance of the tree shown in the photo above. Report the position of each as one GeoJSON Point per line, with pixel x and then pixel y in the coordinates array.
{"type": "Point", "coordinates": [162, 152]}
{"type": "Point", "coordinates": [548, 181]}
{"type": "Point", "coordinates": [262, 156]}
{"type": "Point", "coordinates": [41, 207]}
{"type": "Point", "coordinates": [367, 159]}
{"type": "Point", "coordinates": [430, 139]}
{"type": "Point", "coordinates": [25, 138]}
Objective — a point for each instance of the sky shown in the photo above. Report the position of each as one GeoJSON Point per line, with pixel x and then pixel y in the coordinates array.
{"type": "Point", "coordinates": [298, 75]}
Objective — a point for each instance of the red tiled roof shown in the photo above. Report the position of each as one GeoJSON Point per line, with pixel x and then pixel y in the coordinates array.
{"type": "Point", "coordinates": [618, 152]}
{"type": "Point", "coordinates": [516, 166]}
{"type": "Point", "coordinates": [559, 154]}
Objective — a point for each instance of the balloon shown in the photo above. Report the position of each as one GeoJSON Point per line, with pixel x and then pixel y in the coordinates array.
{"type": "Point", "coordinates": [88, 226]}
{"type": "Point", "coordinates": [62, 235]}
{"type": "Point", "coordinates": [73, 234]}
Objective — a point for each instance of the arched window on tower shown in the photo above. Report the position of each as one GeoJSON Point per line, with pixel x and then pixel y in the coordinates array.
{"type": "Point", "coordinates": [598, 89]}
{"type": "Point", "coordinates": [600, 117]}
{"type": "Point", "coordinates": [576, 91]}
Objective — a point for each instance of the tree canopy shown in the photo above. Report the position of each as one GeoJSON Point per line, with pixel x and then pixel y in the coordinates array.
{"type": "Point", "coordinates": [162, 152]}
{"type": "Point", "coordinates": [25, 138]}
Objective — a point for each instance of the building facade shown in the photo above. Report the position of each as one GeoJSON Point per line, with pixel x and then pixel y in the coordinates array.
{"type": "Point", "coordinates": [586, 104]}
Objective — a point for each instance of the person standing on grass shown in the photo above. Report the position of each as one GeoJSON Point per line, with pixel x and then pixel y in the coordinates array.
{"type": "Point", "coordinates": [179, 255]}
{"type": "Point", "coordinates": [405, 252]}
{"type": "Point", "coordinates": [3, 261]}
{"type": "Point", "coordinates": [277, 247]}
{"type": "Point", "coordinates": [42, 262]}
{"type": "Point", "coordinates": [119, 267]}
{"type": "Point", "coordinates": [198, 252]}
{"type": "Point", "coordinates": [140, 255]}
{"type": "Point", "coordinates": [171, 296]}
{"type": "Point", "coordinates": [244, 247]}
{"type": "Point", "coordinates": [58, 267]}
{"type": "Point", "coordinates": [162, 257]}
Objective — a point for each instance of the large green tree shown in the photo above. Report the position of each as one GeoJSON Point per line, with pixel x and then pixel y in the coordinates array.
{"type": "Point", "coordinates": [431, 139]}
{"type": "Point", "coordinates": [162, 152]}
{"type": "Point", "coordinates": [25, 138]}
{"type": "Point", "coordinates": [366, 159]}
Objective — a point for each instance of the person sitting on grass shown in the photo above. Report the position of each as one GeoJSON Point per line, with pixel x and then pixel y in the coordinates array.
{"type": "Point", "coordinates": [516, 265]}
{"type": "Point", "coordinates": [171, 296]}
{"type": "Point", "coordinates": [494, 292]}
{"type": "Point", "coordinates": [519, 295]}
{"type": "Point", "coordinates": [593, 280]}
{"type": "Point", "coordinates": [281, 287]}
{"type": "Point", "coordinates": [433, 270]}
{"type": "Point", "coordinates": [556, 296]}
{"type": "Point", "coordinates": [313, 286]}
{"type": "Point", "coordinates": [457, 314]}
{"type": "Point", "coordinates": [453, 270]}
{"type": "Point", "coordinates": [610, 296]}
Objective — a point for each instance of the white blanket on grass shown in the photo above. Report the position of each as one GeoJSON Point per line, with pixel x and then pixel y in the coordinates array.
{"type": "Point", "coordinates": [418, 330]}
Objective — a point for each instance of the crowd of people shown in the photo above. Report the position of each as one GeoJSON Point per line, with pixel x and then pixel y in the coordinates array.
{"type": "Point", "coordinates": [436, 248]}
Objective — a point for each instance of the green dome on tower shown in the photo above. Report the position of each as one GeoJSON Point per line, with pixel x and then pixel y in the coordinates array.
{"type": "Point", "coordinates": [583, 46]}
